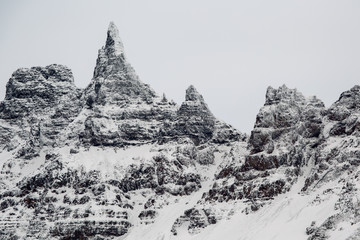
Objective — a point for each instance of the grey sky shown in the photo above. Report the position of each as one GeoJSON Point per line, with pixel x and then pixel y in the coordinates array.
{"type": "Point", "coordinates": [230, 50]}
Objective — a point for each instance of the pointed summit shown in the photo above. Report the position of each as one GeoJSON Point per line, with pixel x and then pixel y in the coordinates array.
{"type": "Point", "coordinates": [113, 44]}
{"type": "Point", "coordinates": [194, 117]}
{"type": "Point", "coordinates": [193, 95]}
{"type": "Point", "coordinates": [115, 80]}
{"type": "Point", "coordinates": [111, 57]}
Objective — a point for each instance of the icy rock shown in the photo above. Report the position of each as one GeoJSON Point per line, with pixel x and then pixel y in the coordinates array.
{"type": "Point", "coordinates": [36, 90]}
{"type": "Point", "coordinates": [194, 117]}
{"type": "Point", "coordinates": [287, 116]}
{"type": "Point", "coordinates": [196, 218]}
{"type": "Point", "coordinates": [347, 103]}
{"type": "Point", "coordinates": [47, 124]}
{"type": "Point", "coordinates": [344, 113]}
{"type": "Point", "coordinates": [193, 95]}
{"type": "Point", "coordinates": [114, 45]}
{"type": "Point", "coordinates": [114, 80]}
{"type": "Point", "coordinates": [98, 162]}
{"type": "Point", "coordinates": [42, 100]}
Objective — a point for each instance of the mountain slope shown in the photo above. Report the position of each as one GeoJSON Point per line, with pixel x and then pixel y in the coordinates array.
{"type": "Point", "coordinates": [117, 161]}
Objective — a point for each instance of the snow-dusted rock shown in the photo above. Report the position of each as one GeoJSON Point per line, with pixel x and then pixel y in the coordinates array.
{"type": "Point", "coordinates": [39, 103]}
{"type": "Point", "coordinates": [117, 161]}
{"type": "Point", "coordinates": [289, 148]}
{"type": "Point", "coordinates": [114, 80]}
{"type": "Point", "coordinates": [60, 149]}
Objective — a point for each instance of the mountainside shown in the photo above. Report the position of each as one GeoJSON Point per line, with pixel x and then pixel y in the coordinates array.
{"type": "Point", "coordinates": [117, 161]}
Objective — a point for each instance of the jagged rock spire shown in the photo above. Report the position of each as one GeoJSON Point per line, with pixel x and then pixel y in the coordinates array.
{"type": "Point", "coordinates": [115, 80]}
{"type": "Point", "coordinates": [111, 58]}
{"type": "Point", "coordinates": [193, 95]}
{"type": "Point", "coordinates": [194, 117]}
{"type": "Point", "coordinates": [194, 103]}
{"type": "Point", "coordinates": [114, 45]}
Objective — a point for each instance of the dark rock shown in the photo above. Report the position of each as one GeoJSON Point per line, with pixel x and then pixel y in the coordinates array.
{"type": "Point", "coordinates": [263, 162]}
{"type": "Point", "coordinates": [147, 214]}
{"type": "Point", "coordinates": [347, 103]}
{"type": "Point", "coordinates": [194, 118]}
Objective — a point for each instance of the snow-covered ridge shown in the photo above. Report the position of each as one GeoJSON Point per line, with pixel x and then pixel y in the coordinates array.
{"type": "Point", "coordinates": [117, 161]}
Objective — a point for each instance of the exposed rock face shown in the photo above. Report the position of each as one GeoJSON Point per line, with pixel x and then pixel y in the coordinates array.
{"type": "Point", "coordinates": [39, 104]}
{"type": "Point", "coordinates": [296, 144]}
{"type": "Point", "coordinates": [344, 113]}
{"type": "Point", "coordinates": [347, 104]}
{"type": "Point", "coordinates": [46, 124]}
{"type": "Point", "coordinates": [287, 117]}
{"type": "Point", "coordinates": [37, 90]}
{"type": "Point", "coordinates": [117, 161]}
{"type": "Point", "coordinates": [116, 94]}
{"type": "Point", "coordinates": [139, 115]}
{"type": "Point", "coordinates": [195, 118]}
{"type": "Point", "coordinates": [285, 129]}
{"type": "Point", "coordinates": [115, 81]}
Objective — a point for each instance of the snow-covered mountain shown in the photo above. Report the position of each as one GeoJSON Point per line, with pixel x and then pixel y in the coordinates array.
{"type": "Point", "coordinates": [117, 161]}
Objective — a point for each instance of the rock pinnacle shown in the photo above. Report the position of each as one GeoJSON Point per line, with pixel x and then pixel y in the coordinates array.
{"type": "Point", "coordinates": [193, 95]}
{"type": "Point", "coordinates": [113, 44]}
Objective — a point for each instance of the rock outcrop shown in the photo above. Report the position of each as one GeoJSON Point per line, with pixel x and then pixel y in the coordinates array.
{"type": "Point", "coordinates": [296, 144]}
{"type": "Point", "coordinates": [49, 190]}
{"type": "Point", "coordinates": [114, 80]}
{"type": "Point", "coordinates": [39, 103]}
{"type": "Point", "coordinates": [195, 118]}
{"type": "Point", "coordinates": [117, 161]}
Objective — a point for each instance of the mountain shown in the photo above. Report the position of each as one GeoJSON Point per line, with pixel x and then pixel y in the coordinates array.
{"type": "Point", "coordinates": [117, 161]}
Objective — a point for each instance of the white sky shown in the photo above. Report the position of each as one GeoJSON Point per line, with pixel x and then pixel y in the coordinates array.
{"type": "Point", "coordinates": [231, 51]}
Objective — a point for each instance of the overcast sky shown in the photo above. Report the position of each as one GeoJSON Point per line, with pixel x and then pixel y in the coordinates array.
{"type": "Point", "coordinates": [231, 51]}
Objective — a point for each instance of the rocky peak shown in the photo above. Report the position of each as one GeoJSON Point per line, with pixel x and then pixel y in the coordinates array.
{"type": "Point", "coordinates": [286, 113]}
{"type": "Point", "coordinates": [39, 81]}
{"type": "Point", "coordinates": [344, 113]}
{"type": "Point", "coordinates": [283, 94]}
{"type": "Point", "coordinates": [113, 46]}
{"type": "Point", "coordinates": [103, 162]}
{"type": "Point", "coordinates": [284, 107]}
{"type": "Point", "coordinates": [29, 82]}
{"type": "Point", "coordinates": [194, 103]}
{"type": "Point", "coordinates": [111, 58]}
{"type": "Point", "coordinates": [348, 102]}
{"type": "Point", "coordinates": [43, 100]}
{"type": "Point", "coordinates": [350, 95]}
{"type": "Point", "coordinates": [115, 80]}
{"type": "Point", "coordinates": [194, 117]}
{"type": "Point", "coordinates": [193, 95]}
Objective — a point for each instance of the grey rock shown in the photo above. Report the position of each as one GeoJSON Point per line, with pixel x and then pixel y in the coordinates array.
{"type": "Point", "coordinates": [46, 120]}
{"type": "Point", "coordinates": [194, 118]}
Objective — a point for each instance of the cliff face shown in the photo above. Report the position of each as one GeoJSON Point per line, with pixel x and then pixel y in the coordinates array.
{"type": "Point", "coordinates": [117, 161]}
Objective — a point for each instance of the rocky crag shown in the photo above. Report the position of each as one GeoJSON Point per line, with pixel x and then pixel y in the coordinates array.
{"type": "Point", "coordinates": [117, 161]}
